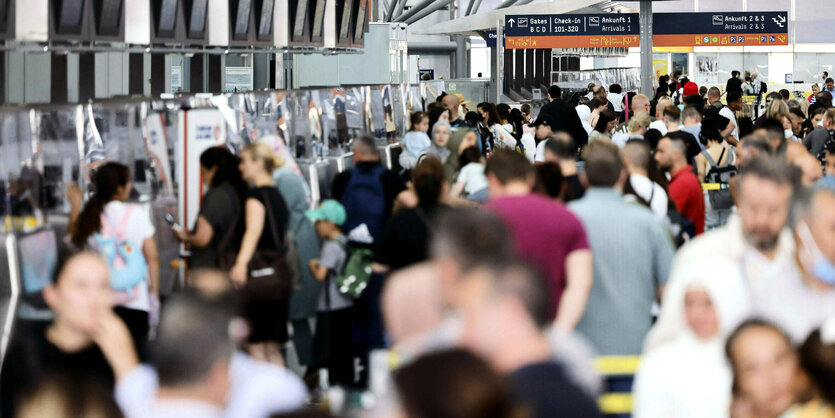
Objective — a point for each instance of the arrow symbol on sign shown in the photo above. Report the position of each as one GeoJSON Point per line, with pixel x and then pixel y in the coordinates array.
{"type": "Point", "coordinates": [780, 22]}
{"type": "Point", "coordinates": [510, 22]}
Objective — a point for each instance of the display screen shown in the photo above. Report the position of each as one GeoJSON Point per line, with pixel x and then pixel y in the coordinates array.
{"type": "Point", "coordinates": [70, 14]}
{"type": "Point", "coordinates": [359, 34]}
{"type": "Point", "coordinates": [109, 16]}
{"type": "Point", "coordinates": [167, 10]}
{"type": "Point", "coordinates": [4, 14]}
{"type": "Point", "coordinates": [318, 20]}
{"type": "Point", "coordinates": [242, 17]}
{"type": "Point", "coordinates": [301, 12]}
{"type": "Point", "coordinates": [265, 21]}
{"type": "Point", "coordinates": [38, 254]}
{"type": "Point", "coordinates": [345, 22]}
{"type": "Point", "coordinates": [197, 19]}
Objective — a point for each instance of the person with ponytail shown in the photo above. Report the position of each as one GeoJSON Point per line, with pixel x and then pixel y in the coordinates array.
{"type": "Point", "coordinates": [267, 311]}
{"type": "Point", "coordinates": [216, 224]}
{"type": "Point", "coordinates": [107, 215]}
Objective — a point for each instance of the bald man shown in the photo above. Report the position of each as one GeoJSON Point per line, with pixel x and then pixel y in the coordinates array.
{"type": "Point", "coordinates": [451, 103]}
{"type": "Point", "coordinates": [640, 104]}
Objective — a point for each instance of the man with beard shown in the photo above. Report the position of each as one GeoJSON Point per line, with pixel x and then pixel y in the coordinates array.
{"type": "Point", "coordinates": [756, 242]}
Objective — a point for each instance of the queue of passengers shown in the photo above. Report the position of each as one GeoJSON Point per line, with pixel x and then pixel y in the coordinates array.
{"type": "Point", "coordinates": [490, 267]}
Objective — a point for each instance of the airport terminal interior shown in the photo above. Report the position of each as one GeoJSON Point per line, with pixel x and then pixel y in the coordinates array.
{"type": "Point", "coordinates": [417, 208]}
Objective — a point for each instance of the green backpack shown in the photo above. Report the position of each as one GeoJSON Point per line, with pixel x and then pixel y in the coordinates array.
{"type": "Point", "coordinates": [356, 273]}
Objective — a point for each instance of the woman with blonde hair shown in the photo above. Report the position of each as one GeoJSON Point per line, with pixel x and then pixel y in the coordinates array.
{"type": "Point", "coordinates": [260, 268]}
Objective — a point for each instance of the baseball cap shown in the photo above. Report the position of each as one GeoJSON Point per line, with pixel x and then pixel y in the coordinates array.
{"type": "Point", "coordinates": [690, 88]}
{"type": "Point", "coordinates": [329, 210]}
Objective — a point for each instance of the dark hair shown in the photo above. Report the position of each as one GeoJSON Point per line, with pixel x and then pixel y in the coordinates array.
{"type": "Point", "coordinates": [710, 132]}
{"type": "Point", "coordinates": [492, 113]}
{"type": "Point", "coordinates": [549, 180]}
{"type": "Point", "coordinates": [820, 110]}
{"type": "Point", "coordinates": [453, 384]}
{"type": "Point", "coordinates": [818, 360]}
{"type": "Point", "coordinates": [554, 91]}
{"type": "Point", "coordinates": [469, 155]}
{"type": "Point", "coordinates": [107, 180]}
{"type": "Point", "coordinates": [508, 165]}
{"type": "Point", "coordinates": [730, 342]}
{"type": "Point", "coordinates": [829, 80]}
{"type": "Point", "coordinates": [733, 96]}
{"type": "Point", "coordinates": [774, 96]}
{"type": "Point", "coordinates": [653, 137]}
{"type": "Point", "coordinates": [227, 169]}
{"type": "Point", "coordinates": [472, 237]}
{"type": "Point", "coordinates": [515, 119]}
{"type": "Point", "coordinates": [526, 109]}
{"type": "Point", "coordinates": [615, 88]}
{"type": "Point", "coordinates": [830, 149]}
{"type": "Point", "coordinates": [603, 120]}
{"type": "Point", "coordinates": [193, 335]}
{"type": "Point", "coordinates": [435, 114]}
{"type": "Point", "coordinates": [562, 145]}
{"type": "Point", "coordinates": [785, 94]}
{"type": "Point", "coordinates": [599, 101]}
{"type": "Point", "coordinates": [603, 164]}
{"type": "Point", "coordinates": [734, 73]}
{"type": "Point", "coordinates": [473, 118]}
{"type": "Point", "coordinates": [416, 118]}
{"type": "Point", "coordinates": [797, 112]}
{"type": "Point", "coordinates": [672, 112]}
{"type": "Point", "coordinates": [428, 180]}
{"type": "Point", "coordinates": [694, 100]}
{"type": "Point", "coordinates": [503, 110]}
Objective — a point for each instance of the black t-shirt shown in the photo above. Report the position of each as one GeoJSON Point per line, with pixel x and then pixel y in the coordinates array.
{"type": "Point", "coordinates": [693, 148]}
{"type": "Point", "coordinates": [221, 207]}
{"type": "Point", "coordinates": [734, 84]}
{"type": "Point", "coordinates": [32, 359]}
{"type": "Point", "coordinates": [280, 215]}
{"type": "Point", "coordinates": [393, 185]}
{"type": "Point", "coordinates": [566, 118]}
{"type": "Point", "coordinates": [406, 236]}
{"type": "Point", "coordinates": [546, 390]}
{"type": "Point", "coordinates": [574, 188]}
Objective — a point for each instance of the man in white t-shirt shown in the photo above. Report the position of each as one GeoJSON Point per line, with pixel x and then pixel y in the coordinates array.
{"type": "Point", "coordinates": [544, 126]}
{"type": "Point", "coordinates": [734, 100]}
{"type": "Point", "coordinates": [636, 157]}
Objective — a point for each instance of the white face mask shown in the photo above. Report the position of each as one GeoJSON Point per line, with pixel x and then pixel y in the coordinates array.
{"type": "Point", "coordinates": [820, 123]}
{"type": "Point", "coordinates": [789, 133]}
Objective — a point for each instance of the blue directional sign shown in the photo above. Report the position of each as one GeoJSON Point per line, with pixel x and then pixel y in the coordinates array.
{"type": "Point", "coordinates": [571, 30]}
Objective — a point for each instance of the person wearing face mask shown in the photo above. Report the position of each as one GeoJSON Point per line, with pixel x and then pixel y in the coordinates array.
{"type": "Point", "coordinates": [764, 367]}
{"type": "Point", "coordinates": [698, 312]}
{"type": "Point", "coordinates": [801, 300]}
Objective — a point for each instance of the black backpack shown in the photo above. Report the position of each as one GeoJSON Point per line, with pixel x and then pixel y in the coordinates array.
{"type": "Point", "coordinates": [718, 180]}
{"type": "Point", "coordinates": [681, 228]}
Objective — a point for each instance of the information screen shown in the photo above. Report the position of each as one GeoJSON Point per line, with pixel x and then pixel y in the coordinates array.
{"type": "Point", "coordinates": [167, 15]}
{"type": "Point", "coordinates": [359, 33]}
{"type": "Point", "coordinates": [265, 21]}
{"type": "Point", "coordinates": [298, 26]}
{"type": "Point", "coordinates": [345, 21]}
{"type": "Point", "coordinates": [318, 20]}
{"type": "Point", "coordinates": [242, 17]}
{"type": "Point", "coordinates": [110, 16]}
{"type": "Point", "coordinates": [198, 17]}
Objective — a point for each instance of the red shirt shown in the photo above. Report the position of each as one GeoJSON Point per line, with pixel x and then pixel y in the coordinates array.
{"type": "Point", "coordinates": [686, 190]}
{"type": "Point", "coordinates": [545, 232]}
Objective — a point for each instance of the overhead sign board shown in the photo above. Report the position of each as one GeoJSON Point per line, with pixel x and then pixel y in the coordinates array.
{"type": "Point", "coordinates": [720, 29]}
{"type": "Point", "coordinates": [571, 31]}
{"type": "Point", "coordinates": [621, 30]}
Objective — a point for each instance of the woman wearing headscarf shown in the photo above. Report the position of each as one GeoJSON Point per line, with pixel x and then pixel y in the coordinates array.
{"type": "Point", "coordinates": [440, 139]}
{"type": "Point", "coordinates": [684, 372]}
{"type": "Point", "coordinates": [460, 140]}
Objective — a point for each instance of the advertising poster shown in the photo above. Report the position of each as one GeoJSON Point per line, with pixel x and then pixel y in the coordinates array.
{"type": "Point", "coordinates": [200, 129]}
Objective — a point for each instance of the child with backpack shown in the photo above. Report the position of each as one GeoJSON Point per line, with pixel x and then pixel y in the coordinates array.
{"type": "Point", "coordinates": [122, 233]}
{"type": "Point", "coordinates": [471, 183]}
{"type": "Point", "coordinates": [332, 342]}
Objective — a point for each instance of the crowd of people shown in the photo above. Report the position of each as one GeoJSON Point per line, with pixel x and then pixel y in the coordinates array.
{"type": "Point", "coordinates": [494, 267]}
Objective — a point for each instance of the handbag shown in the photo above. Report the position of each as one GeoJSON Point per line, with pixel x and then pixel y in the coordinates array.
{"type": "Point", "coordinates": [268, 274]}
